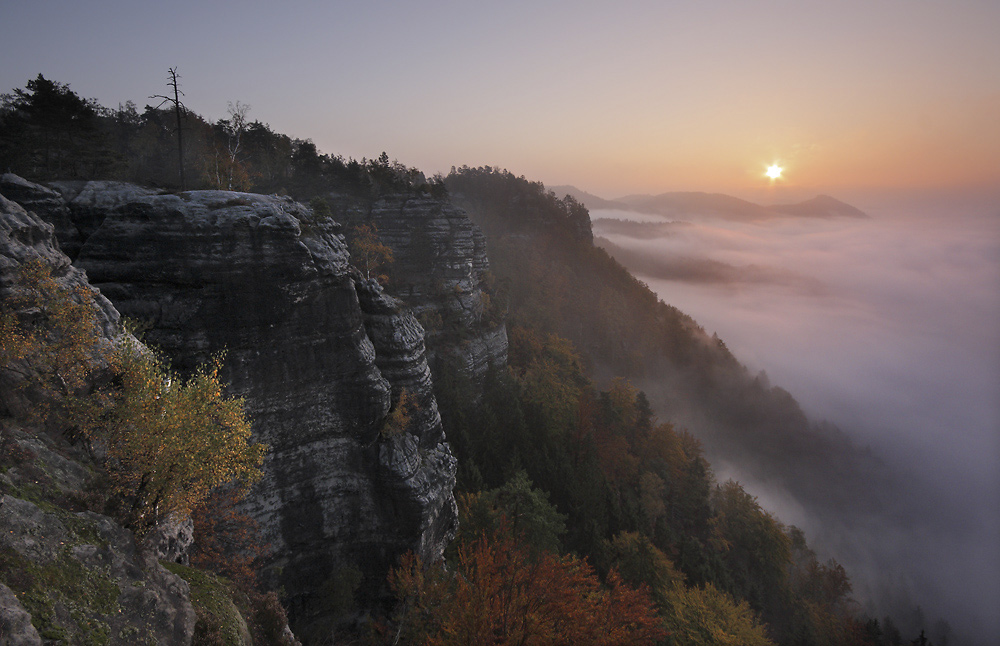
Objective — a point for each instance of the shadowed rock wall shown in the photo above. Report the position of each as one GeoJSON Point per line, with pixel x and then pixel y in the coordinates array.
{"type": "Point", "coordinates": [253, 275]}
{"type": "Point", "coordinates": [441, 271]}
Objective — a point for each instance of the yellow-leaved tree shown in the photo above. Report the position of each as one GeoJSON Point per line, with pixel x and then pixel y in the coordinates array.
{"type": "Point", "coordinates": [368, 254]}
{"type": "Point", "coordinates": [172, 440]}
{"type": "Point", "coordinates": [169, 441]}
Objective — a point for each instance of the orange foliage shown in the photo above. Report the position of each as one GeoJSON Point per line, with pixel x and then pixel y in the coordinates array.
{"type": "Point", "coordinates": [227, 541]}
{"type": "Point", "coordinates": [502, 595]}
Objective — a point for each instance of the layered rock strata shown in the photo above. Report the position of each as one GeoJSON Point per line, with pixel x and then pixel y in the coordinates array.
{"type": "Point", "coordinates": [67, 575]}
{"type": "Point", "coordinates": [441, 270]}
{"type": "Point", "coordinates": [259, 278]}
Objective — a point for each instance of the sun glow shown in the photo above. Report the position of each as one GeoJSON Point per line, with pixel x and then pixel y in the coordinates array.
{"type": "Point", "coordinates": [774, 171]}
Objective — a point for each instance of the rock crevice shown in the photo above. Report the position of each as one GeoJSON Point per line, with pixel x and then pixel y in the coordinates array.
{"type": "Point", "coordinates": [320, 356]}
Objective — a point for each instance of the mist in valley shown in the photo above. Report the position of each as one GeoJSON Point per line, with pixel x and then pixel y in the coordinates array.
{"type": "Point", "coordinates": [888, 328]}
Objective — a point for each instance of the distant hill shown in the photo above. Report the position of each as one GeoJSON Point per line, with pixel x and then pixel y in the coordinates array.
{"type": "Point", "coordinates": [689, 204]}
{"type": "Point", "coordinates": [821, 206]}
{"type": "Point", "coordinates": [589, 200]}
{"type": "Point", "coordinates": [693, 204]}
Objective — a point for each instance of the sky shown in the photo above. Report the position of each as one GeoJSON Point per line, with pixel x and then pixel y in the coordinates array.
{"type": "Point", "coordinates": [613, 97]}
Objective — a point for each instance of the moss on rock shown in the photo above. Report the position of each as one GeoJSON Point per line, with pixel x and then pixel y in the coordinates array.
{"type": "Point", "coordinates": [217, 603]}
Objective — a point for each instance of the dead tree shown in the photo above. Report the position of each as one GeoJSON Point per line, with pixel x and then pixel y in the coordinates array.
{"type": "Point", "coordinates": [179, 109]}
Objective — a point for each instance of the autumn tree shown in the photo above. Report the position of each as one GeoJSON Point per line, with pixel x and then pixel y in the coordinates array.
{"type": "Point", "coordinates": [49, 343]}
{"type": "Point", "coordinates": [368, 254]}
{"type": "Point", "coordinates": [170, 440]}
{"type": "Point", "coordinates": [706, 616]}
{"type": "Point", "coordinates": [400, 414]}
{"type": "Point", "coordinates": [501, 594]}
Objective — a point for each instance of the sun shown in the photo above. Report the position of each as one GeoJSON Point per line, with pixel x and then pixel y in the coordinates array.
{"type": "Point", "coordinates": [774, 171]}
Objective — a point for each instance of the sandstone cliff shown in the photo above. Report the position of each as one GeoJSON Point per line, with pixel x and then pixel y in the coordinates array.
{"type": "Point", "coordinates": [320, 355]}
{"type": "Point", "coordinates": [67, 573]}
{"type": "Point", "coordinates": [441, 271]}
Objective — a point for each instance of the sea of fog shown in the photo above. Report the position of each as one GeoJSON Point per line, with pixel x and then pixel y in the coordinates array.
{"type": "Point", "coordinates": [889, 328]}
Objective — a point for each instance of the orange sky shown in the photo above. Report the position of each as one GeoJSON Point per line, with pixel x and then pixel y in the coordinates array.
{"type": "Point", "coordinates": [614, 97]}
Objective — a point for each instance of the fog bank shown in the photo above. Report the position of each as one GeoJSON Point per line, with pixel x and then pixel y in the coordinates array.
{"type": "Point", "coordinates": [890, 329]}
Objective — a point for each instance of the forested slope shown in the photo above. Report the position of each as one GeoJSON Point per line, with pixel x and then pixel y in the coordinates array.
{"type": "Point", "coordinates": [589, 511]}
{"type": "Point", "coordinates": [558, 282]}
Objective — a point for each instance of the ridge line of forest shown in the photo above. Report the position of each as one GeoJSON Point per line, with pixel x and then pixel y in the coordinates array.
{"type": "Point", "coordinates": [547, 459]}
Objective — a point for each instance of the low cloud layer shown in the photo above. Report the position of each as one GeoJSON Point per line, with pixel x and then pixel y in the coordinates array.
{"type": "Point", "coordinates": [700, 270]}
{"type": "Point", "coordinates": [888, 328]}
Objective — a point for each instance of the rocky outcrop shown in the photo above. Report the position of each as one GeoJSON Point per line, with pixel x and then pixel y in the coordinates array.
{"type": "Point", "coordinates": [77, 575]}
{"type": "Point", "coordinates": [441, 271]}
{"type": "Point", "coordinates": [259, 278]}
{"type": "Point", "coordinates": [400, 355]}
{"type": "Point", "coordinates": [15, 622]}
{"type": "Point", "coordinates": [47, 204]}
{"type": "Point", "coordinates": [81, 575]}
{"type": "Point", "coordinates": [24, 238]}
{"type": "Point", "coordinates": [66, 573]}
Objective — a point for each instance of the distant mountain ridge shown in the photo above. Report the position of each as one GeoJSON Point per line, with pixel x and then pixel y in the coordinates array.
{"type": "Point", "coordinates": [687, 204]}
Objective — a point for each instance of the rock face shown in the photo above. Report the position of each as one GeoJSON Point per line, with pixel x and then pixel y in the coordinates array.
{"type": "Point", "coordinates": [67, 574]}
{"type": "Point", "coordinates": [82, 576]}
{"type": "Point", "coordinates": [46, 203]}
{"type": "Point", "coordinates": [24, 237]}
{"type": "Point", "coordinates": [400, 355]}
{"type": "Point", "coordinates": [441, 271]}
{"type": "Point", "coordinates": [320, 355]}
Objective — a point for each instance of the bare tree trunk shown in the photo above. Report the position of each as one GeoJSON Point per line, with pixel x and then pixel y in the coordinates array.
{"type": "Point", "coordinates": [180, 131]}
{"type": "Point", "coordinates": [179, 112]}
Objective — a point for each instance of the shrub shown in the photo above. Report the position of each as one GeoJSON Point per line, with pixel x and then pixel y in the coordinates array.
{"type": "Point", "coordinates": [171, 441]}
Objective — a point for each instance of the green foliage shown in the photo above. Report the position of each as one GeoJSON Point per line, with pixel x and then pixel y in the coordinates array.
{"type": "Point", "coordinates": [63, 587]}
{"type": "Point", "coordinates": [321, 209]}
{"type": "Point", "coordinates": [48, 132]}
{"type": "Point", "coordinates": [550, 374]}
{"type": "Point", "coordinates": [515, 507]}
{"type": "Point", "coordinates": [431, 320]}
{"type": "Point", "coordinates": [758, 551]}
{"type": "Point", "coordinates": [639, 562]}
{"type": "Point", "coordinates": [630, 474]}
{"type": "Point", "coordinates": [334, 606]}
{"type": "Point", "coordinates": [638, 497]}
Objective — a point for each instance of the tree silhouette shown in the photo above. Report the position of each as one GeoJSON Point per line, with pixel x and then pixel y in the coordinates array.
{"type": "Point", "coordinates": [179, 110]}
